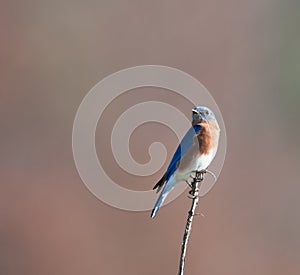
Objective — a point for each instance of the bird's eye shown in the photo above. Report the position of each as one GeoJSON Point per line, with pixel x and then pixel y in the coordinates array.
{"type": "Point", "coordinates": [206, 112]}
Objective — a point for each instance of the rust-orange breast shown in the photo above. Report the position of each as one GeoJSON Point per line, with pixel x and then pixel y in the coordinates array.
{"type": "Point", "coordinates": [208, 137]}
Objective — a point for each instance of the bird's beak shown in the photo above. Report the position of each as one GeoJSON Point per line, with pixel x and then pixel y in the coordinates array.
{"type": "Point", "coordinates": [197, 116]}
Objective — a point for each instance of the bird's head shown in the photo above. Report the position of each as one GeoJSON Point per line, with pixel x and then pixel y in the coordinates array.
{"type": "Point", "coordinates": [202, 114]}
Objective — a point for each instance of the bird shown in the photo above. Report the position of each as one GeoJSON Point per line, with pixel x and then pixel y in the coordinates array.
{"type": "Point", "coordinates": [195, 153]}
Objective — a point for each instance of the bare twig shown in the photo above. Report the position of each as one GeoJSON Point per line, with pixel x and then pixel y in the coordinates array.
{"type": "Point", "coordinates": [188, 228]}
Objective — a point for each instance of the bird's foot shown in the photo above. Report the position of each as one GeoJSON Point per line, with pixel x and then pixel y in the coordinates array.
{"type": "Point", "coordinates": [200, 173]}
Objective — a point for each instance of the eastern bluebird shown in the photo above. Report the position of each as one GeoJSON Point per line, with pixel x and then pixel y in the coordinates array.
{"type": "Point", "coordinates": [195, 153]}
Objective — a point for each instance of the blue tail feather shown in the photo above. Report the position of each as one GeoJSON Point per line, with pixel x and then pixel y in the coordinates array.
{"type": "Point", "coordinates": [162, 196]}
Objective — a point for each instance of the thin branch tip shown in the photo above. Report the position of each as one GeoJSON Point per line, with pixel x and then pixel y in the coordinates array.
{"type": "Point", "coordinates": [194, 196]}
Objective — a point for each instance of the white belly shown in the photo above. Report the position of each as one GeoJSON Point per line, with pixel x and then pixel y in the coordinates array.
{"type": "Point", "coordinates": [204, 161]}
{"type": "Point", "coordinates": [196, 164]}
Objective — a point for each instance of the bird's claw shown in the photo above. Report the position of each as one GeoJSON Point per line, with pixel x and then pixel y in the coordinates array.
{"type": "Point", "coordinates": [200, 174]}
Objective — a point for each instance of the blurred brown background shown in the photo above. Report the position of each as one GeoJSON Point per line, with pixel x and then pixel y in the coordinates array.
{"type": "Point", "coordinates": [247, 53]}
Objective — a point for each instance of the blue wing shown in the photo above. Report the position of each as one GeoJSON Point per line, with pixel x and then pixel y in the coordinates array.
{"type": "Point", "coordinates": [183, 147]}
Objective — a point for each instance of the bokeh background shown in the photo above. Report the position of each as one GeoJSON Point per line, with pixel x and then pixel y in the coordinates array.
{"type": "Point", "coordinates": [247, 53]}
